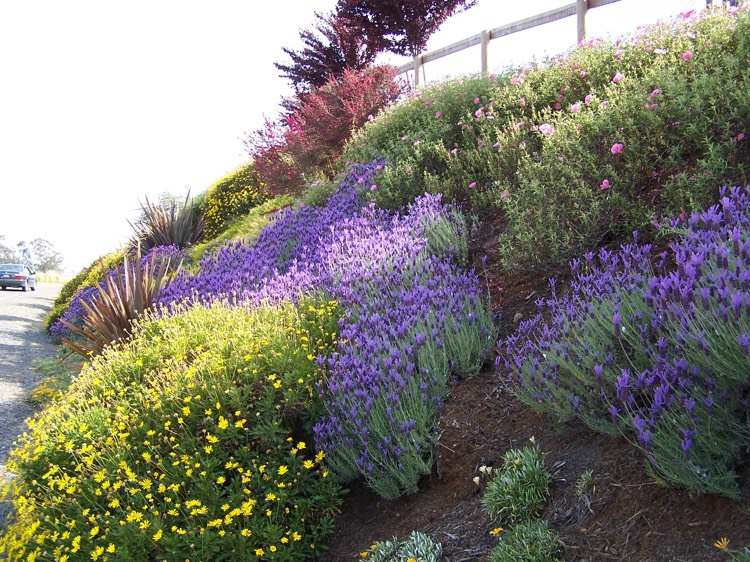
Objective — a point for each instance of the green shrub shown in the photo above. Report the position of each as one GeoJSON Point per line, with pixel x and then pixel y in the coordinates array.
{"type": "Point", "coordinates": [519, 488]}
{"type": "Point", "coordinates": [532, 541]}
{"type": "Point", "coordinates": [230, 198]}
{"type": "Point", "coordinates": [88, 277]}
{"type": "Point", "coordinates": [418, 546]}
{"type": "Point", "coordinates": [678, 146]}
{"type": "Point", "coordinates": [318, 192]}
{"type": "Point", "coordinates": [414, 136]}
{"type": "Point", "coordinates": [191, 441]}
{"type": "Point", "coordinates": [245, 228]}
{"type": "Point", "coordinates": [537, 147]}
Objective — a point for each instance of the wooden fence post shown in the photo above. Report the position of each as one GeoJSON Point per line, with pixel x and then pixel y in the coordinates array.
{"type": "Point", "coordinates": [417, 68]}
{"type": "Point", "coordinates": [581, 7]}
{"type": "Point", "coordinates": [484, 45]}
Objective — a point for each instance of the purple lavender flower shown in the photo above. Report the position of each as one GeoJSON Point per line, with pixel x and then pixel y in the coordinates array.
{"type": "Point", "coordinates": [682, 324]}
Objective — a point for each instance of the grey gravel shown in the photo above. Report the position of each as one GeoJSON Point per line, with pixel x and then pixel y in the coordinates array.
{"type": "Point", "coordinates": [22, 340]}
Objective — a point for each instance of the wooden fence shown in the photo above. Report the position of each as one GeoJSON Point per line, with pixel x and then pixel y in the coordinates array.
{"type": "Point", "coordinates": [577, 8]}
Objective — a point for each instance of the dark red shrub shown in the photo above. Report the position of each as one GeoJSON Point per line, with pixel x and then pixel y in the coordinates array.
{"type": "Point", "coordinates": [273, 163]}
{"type": "Point", "coordinates": [325, 120]}
{"type": "Point", "coordinates": [309, 140]}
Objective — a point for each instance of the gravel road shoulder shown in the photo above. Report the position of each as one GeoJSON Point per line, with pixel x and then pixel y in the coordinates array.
{"type": "Point", "coordinates": [22, 341]}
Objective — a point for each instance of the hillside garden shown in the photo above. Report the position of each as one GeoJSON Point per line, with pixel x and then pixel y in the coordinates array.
{"type": "Point", "coordinates": [501, 318]}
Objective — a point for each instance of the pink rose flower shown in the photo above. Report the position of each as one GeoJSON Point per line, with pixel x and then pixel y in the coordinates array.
{"type": "Point", "coordinates": [575, 108]}
{"type": "Point", "coordinates": [604, 185]}
{"type": "Point", "coordinates": [618, 77]}
{"type": "Point", "coordinates": [740, 137]}
{"type": "Point", "coordinates": [655, 93]}
{"type": "Point", "coordinates": [439, 114]}
{"type": "Point", "coordinates": [477, 100]}
{"type": "Point", "coordinates": [478, 113]}
{"type": "Point", "coordinates": [588, 99]}
{"type": "Point", "coordinates": [617, 148]}
{"type": "Point", "coordinates": [687, 56]}
{"type": "Point", "coordinates": [374, 187]}
{"type": "Point", "coordinates": [605, 104]}
{"type": "Point", "coordinates": [472, 185]}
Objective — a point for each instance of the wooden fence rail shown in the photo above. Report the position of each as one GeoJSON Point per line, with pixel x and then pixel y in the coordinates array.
{"type": "Point", "coordinates": [577, 8]}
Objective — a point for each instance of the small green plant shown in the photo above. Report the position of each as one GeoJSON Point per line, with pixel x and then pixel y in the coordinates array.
{"type": "Point", "coordinates": [741, 555]}
{"type": "Point", "coordinates": [318, 192]}
{"type": "Point", "coordinates": [532, 541]}
{"type": "Point", "coordinates": [418, 546]}
{"type": "Point", "coordinates": [519, 488]}
{"type": "Point", "coordinates": [585, 488]}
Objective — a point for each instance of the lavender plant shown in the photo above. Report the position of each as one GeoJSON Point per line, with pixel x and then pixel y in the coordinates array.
{"type": "Point", "coordinates": [659, 351]}
{"type": "Point", "coordinates": [411, 317]}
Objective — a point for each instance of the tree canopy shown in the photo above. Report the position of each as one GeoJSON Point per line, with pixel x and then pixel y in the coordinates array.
{"type": "Point", "coordinates": [330, 47]}
{"type": "Point", "coordinates": [399, 26]}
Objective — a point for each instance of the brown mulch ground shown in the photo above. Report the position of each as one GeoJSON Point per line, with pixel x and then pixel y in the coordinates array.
{"type": "Point", "coordinates": [630, 517]}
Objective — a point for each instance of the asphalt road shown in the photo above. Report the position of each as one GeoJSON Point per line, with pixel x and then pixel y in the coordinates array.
{"type": "Point", "coordinates": [22, 340]}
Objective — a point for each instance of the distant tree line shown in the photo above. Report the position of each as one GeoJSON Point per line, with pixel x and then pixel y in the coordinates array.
{"type": "Point", "coordinates": [39, 254]}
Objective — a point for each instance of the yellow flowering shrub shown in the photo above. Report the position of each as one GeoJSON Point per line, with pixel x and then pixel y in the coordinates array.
{"type": "Point", "coordinates": [230, 197]}
{"type": "Point", "coordinates": [189, 442]}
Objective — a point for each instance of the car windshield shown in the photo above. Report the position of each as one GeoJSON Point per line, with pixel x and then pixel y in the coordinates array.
{"type": "Point", "coordinates": [11, 267]}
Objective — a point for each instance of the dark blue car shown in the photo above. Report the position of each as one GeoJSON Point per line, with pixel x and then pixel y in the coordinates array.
{"type": "Point", "coordinates": [17, 275]}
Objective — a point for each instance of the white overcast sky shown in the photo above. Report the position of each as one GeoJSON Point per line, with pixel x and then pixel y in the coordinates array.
{"type": "Point", "coordinates": [105, 101]}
